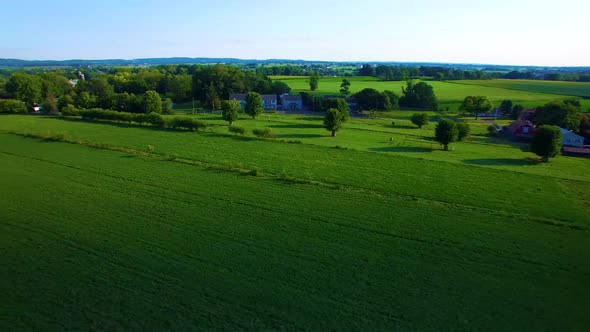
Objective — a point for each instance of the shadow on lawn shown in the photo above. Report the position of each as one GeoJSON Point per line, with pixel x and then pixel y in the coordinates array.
{"type": "Point", "coordinates": [299, 136]}
{"type": "Point", "coordinates": [499, 161]}
{"type": "Point", "coordinates": [297, 126]}
{"type": "Point", "coordinates": [401, 149]}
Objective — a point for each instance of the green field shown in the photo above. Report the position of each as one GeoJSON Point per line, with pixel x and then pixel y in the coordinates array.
{"type": "Point", "coordinates": [451, 94]}
{"type": "Point", "coordinates": [128, 227]}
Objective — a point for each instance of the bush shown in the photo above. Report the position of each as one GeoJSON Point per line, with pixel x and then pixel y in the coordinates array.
{"type": "Point", "coordinates": [464, 131]}
{"type": "Point", "coordinates": [237, 130]}
{"type": "Point", "coordinates": [419, 119]}
{"type": "Point", "coordinates": [154, 119]}
{"type": "Point", "coordinates": [492, 130]}
{"type": "Point", "coordinates": [393, 123]}
{"type": "Point", "coordinates": [70, 110]}
{"type": "Point", "coordinates": [185, 123]}
{"type": "Point", "coordinates": [12, 106]}
{"type": "Point", "coordinates": [262, 133]}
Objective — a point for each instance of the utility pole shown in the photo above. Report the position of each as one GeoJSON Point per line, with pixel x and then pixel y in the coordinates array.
{"type": "Point", "coordinates": [193, 105]}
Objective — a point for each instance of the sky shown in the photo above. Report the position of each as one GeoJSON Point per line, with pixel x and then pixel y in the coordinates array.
{"type": "Point", "coordinates": [512, 32]}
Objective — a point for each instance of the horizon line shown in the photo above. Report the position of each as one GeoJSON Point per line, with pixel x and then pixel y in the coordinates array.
{"type": "Point", "coordinates": [297, 60]}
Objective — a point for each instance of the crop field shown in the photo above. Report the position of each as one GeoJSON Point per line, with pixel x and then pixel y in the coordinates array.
{"type": "Point", "coordinates": [576, 89]}
{"type": "Point", "coordinates": [112, 226]}
{"type": "Point", "coordinates": [451, 94]}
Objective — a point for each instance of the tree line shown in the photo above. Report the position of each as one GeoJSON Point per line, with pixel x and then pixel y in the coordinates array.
{"type": "Point", "coordinates": [126, 89]}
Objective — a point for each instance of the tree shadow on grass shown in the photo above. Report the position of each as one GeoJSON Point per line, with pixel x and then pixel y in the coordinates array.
{"type": "Point", "coordinates": [299, 136]}
{"type": "Point", "coordinates": [401, 149]}
{"type": "Point", "coordinates": [401, 127]}
{"type": "Point", "coordinates": [499, 162]}
{"type": "Point", "coordinates": [297, 126]}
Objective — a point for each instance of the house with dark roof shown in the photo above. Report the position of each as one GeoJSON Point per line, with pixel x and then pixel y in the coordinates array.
{"type": "Point", "coordinates": [269, 102]}
{"type": "Point", "coordinates": [240, 97]}
{"type": "Point", "coordinates": [291, 102]}
{"type": "Point", "coordinates": [521, 129]}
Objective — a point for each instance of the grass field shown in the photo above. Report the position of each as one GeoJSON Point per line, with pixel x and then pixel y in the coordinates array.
{"type": "Point", "coordinates": [128, 227]}
{"type": "Point", "coordinates": [451, 94]}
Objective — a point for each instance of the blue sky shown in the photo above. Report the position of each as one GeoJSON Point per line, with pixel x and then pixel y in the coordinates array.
{"type": "Point", "coordinates": [520, 32]}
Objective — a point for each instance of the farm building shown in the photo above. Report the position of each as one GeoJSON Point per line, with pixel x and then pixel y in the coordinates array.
{"type": "Point", "coordinates": [521, 129]}
{"type": "Point", "coordinates": [571, 139]}
{"type": "Point", "coordinates": [240, 97]}
{"type": "Point", "coordinates": [290, 102]}
{"type": "Point", "coordinates": [576, 152]}
{"type": "Point", "coordinates": [269, 102]}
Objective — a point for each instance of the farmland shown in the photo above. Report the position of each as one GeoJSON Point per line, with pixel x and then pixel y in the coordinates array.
{"type": "Point", "coordinates": [451, 93]}
{"type": "Point", "coordinates": [113, 226]}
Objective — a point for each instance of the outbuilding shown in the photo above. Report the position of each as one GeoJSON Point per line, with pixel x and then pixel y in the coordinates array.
{"type": "Point", "coordinates": [570, 138]}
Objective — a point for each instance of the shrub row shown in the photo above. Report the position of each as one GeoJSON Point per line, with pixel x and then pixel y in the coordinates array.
{"type": "Point", "coordinates": [154, 119]}
{"type": "Point", "coordinates": [12, 106]}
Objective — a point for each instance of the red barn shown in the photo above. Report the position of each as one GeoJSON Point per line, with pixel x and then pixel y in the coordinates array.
{"type": "Point", "coordinates": [521, 129]}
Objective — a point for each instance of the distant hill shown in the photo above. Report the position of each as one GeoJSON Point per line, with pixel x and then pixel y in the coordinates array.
{"type": "Point", "coordinates": [190, 61]}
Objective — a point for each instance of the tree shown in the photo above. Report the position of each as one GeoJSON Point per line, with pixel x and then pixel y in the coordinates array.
{"type": "Point", "coordinates": [463, 130]}
{"type": "Point", "coordinates": [420, 95]}
{"type": "Point", "coordinates": [391, 100]}
{"type": "Point", "coordinates": [475, 105]}
{"type": "Point", "coordinates": [345, 87]}
{"type": "Point", "coordinates": [50, 104]}
{"type": "Point", "coordinates": [446, 132]}
{"type": "Point", "coordinates": [419, 119]}
{"type": "Point", "coordinates": [153, 102]}
{"type": "Point", "coordinates": [230, 111]}
{"type": "Point", "coordinates": [333, 121]}
{"type": "Point", "coordinates": [253, 104]}
{"type": "Point", "coordinates": [371, 99]}
{"type": "Point", "coordinates": [167, 106]}
{"type": "Point", "coordinates": [516, 111]}
{"type": "Point", "coordinates": [546, 142]}
{"type": "Point", "coordinates": [561, 113]}
{"type": "Point", "coordinates": [24, 87]}
{"type": "Point", "coordinates": [279, 87]}
{"type": "Point", "coordinates": [85, 100]}
{"type": "Point", "coordinates": [506, 107]}
{"type": "Point", "coordinates": [314, 79]}
{"type": "Point", "coordinates": [341, 105]}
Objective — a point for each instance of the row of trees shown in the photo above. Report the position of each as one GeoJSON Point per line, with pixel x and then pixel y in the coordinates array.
{"type": "Point", "coordinates": [125, 89]}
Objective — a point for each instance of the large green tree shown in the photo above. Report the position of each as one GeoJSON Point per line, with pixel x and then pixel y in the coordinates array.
{"type": "Point", "coordinates": [546, 142]}
{"type": "Point", "coordinates": [340, 104]}
{"type": "Point", "coordinates": [230, 111]}
{"type": "Point", "coordinates": [333, 121]}
{"type": "Point", "coordinates": [446, 132]}
{"type": "Point", "coordinates": [24, 87]}
{"type": "Point", "coordinates": [418, 95]}
{"type": "Point", "coordinates": [253, 104]}
{"type": "Point", "coordinates": [371, 99]}
{"type": "Point", "coordinates": [561, 113]}
{"type": "Point", "coordinates": [475, 105]}
{"type": "Point", "coordinates": [153, 102]}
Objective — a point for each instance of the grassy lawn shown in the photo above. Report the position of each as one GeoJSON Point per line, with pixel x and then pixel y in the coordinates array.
{"type": "Point", "coordinates": [129, 227]}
